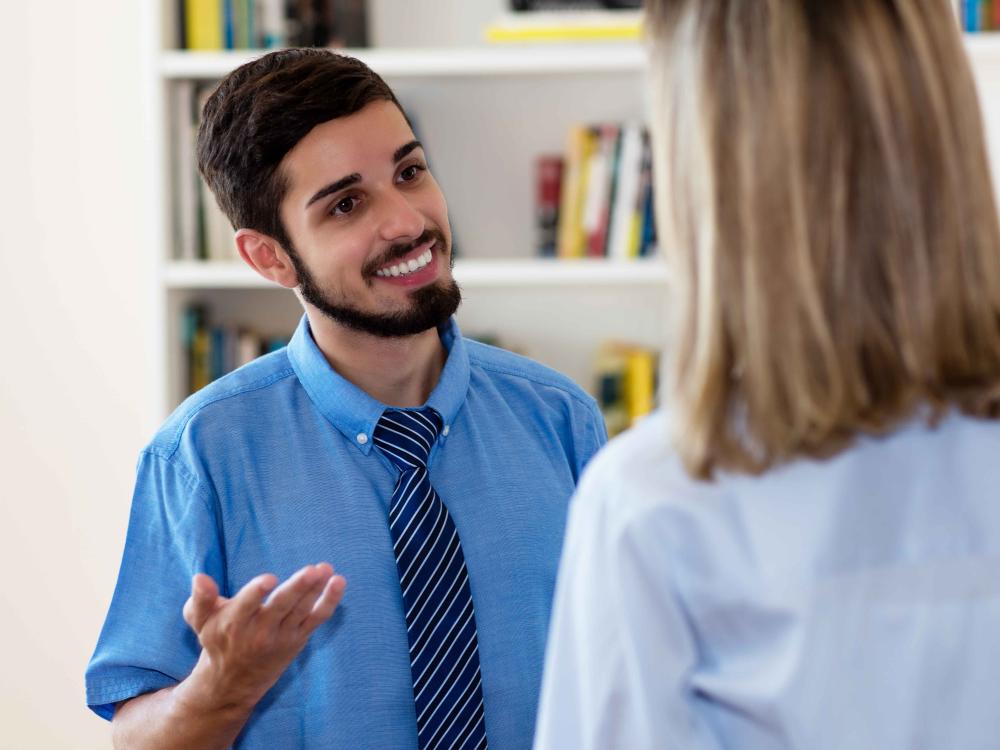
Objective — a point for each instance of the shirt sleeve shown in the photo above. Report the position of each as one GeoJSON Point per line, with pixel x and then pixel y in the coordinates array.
{"type": "Point", "coordinates": [145, 645]}
{"type": "Point", "coordinates": [590, 435]}
{"type": "Point", "coordinates": [620, 646]}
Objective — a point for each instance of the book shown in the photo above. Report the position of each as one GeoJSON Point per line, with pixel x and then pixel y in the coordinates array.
{"type": "Point", "coordinates": [621, 233]}
{"type": "Point", "coordinates": [271, 24]}
{"type": "Point", "coordinates": [216, 232]}
{"type": "Point", "coordinates": [573, 193]}
{"type": "Point", "coordinates": [597, 209]}
{"type": "Point", "coordinates": [203, 21]}
{"type": "Point", "coordinates": [626, 381]}
{"type": "Point", "coordinates": [573, 5]}
{"type": "Point", "coordinates": [213, 349]}
{"type": "Point", "coordinates": [548, 186]}
{"type": "Point", "coordinates": [639, 383]}
{"type": "Point", "coordinates": [184, 171]}
{"type": "Point", "coordinates": [272, 29]}
{"type": "Point", "coordinates": [566, 26]}
{"type": "Point", "coordinates": [972, 11]}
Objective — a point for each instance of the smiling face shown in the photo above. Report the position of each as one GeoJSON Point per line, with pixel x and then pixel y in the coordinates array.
{"type": "Point", "coordinates": [369, 225]}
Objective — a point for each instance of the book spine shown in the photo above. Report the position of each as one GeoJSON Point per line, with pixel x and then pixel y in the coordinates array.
{"type": "Point", "coordinates": [242, 35]}
{"type": "Point", "coordinates": [593, 201]}
{"type": "Point", "coordinates": [204, 24]}
{"type": "Point", "coordinates": [598, 230]}
{"type": "Point", "coordinates": [972, 15]}
{"type": "Point", "coordinates": [228, 24]}
{"type": "Point", "coordinates": [548, 185]}
{"type": "Point", "coordinates": [643, 195]}
{"type": "Point", "coordinates": [273, 32]}
{"type": "Point", "coordinates": [569, 192]}
{"type": "Point", "coordinates": [640, 383]}
{"type": "Point", "coordinates": [626, 194]}
{"type": "Point", "coordinates": [185, 175]}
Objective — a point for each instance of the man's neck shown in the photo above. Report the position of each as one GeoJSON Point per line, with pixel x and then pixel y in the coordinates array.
{"type": "Point", "coordinates": [399, 372]}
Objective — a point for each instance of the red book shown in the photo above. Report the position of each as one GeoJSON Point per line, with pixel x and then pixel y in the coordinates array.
{"type": "Point", "coordinates": [995, 26]}
{"type": "Point", "coordinates": [548, 187]}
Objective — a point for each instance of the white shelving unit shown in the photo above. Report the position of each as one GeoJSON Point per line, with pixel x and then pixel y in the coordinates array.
{"type": "Point", "coordinates": [484, 114]}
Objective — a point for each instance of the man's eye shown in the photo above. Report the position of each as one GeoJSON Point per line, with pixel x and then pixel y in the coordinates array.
{"type": "Point", "coordinates": [344, 206]}
{"type": "Point", "coordinates": [411, 172]}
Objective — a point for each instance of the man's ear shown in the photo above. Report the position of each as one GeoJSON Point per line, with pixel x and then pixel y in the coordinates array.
{"type": "Point", "coordinates": [265, 256]}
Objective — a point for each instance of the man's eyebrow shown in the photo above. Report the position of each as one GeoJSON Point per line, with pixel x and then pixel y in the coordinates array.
{"type": "Point", "coordinates": [402, 151]}
{"type": "Point", "coordinates": [351, 179]}
{"type": "Point", "coordinates": [334, 187]}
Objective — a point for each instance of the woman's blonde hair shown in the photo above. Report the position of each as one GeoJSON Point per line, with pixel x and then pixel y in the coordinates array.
{"type": "Point", "coordinates": [825, 204]}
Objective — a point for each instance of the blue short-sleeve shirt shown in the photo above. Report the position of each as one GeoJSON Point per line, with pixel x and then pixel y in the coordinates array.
{"type": "Point", "coordinates": [273, 467]}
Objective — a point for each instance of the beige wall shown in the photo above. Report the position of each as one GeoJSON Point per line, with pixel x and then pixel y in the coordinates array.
{"type": "Point", "coordinates": [74, 285]}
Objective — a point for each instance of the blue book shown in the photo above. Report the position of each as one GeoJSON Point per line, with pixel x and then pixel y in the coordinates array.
{"type": "Point", "coordinates": [228, 25]}
{"type": "Point", "coordinates": [972, 15]}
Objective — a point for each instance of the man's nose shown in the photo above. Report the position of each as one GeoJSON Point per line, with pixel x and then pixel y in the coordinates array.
{"type": "Point", "coordinates": [399, 219]}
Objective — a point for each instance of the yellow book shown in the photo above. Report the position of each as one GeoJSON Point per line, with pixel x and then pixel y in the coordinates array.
{"type": "Point", "coordinates": [203, 24]}
{"type": "Point", "coordinates": [640, 383]}
{"type": "Point", "coordinates": [571, 235]}
{"type": "Point", "coordinates": [566, 26]}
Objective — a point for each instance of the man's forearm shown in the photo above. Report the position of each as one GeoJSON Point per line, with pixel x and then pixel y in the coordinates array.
{"type": "Point", "coordinates": [184, 717]}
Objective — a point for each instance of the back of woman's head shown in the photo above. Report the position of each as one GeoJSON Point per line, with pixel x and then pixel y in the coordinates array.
{"type": "Point", "coordinates": [826, 207]}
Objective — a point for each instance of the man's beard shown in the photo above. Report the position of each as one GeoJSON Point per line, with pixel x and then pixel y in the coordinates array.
{"type": "Point", "coordinates": [430, 306]}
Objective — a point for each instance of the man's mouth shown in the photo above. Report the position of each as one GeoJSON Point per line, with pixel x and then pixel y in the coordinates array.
{"type": "Point", "coordinates": [412, 262]}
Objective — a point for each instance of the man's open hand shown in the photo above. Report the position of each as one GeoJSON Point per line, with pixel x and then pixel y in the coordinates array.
{"type": "Point", "coordinates": [249, 640]}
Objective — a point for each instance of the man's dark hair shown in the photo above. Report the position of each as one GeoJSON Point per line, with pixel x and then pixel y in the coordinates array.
{"type": "Point", "coordinates": [257, 115]}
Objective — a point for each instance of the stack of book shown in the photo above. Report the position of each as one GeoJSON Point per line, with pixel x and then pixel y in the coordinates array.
{"type": "Point", "coordinates": [597, 200]}
{"type": "Point", "coordinates": [268, 24]}
{"type": "Point", "coordinates": [979, 15]}
{"type": "Point", "coordinates": [200, 230]}
{"type": "Point", "coordinates": [627, 377]}
{"type": "Point", "coordinates": [568, 21]}
{"type": "Point", "coordinates": [214, 350]}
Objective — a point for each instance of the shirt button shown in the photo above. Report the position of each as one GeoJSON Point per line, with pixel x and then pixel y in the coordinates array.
{"type": "Point", "coordinates": [446, 430]}
{"type": "Point", "coordinates": [362, 438]}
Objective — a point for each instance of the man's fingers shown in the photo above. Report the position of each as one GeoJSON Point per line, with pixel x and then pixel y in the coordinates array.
{"type": "Point", "coordinates": [248, 601]}
{"type": "Point", "coordinates": [287, 595]}
{"type": "Point", "coordinates": [202, 602]}
{"type": "Point", "coordinates": [303, 606]}
{"type": "Point", "coordinates": [327, 603]}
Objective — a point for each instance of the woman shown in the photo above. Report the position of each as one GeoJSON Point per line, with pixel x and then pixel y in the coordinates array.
{"type": "Point", "coordinates": [811, 557]}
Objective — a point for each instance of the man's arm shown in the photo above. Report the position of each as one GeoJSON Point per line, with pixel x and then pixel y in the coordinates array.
{"type": "Point", "coordinates": [247, 643]}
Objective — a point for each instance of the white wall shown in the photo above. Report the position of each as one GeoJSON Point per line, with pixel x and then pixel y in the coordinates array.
{"type": "Point", "coordinates": [74, 409]}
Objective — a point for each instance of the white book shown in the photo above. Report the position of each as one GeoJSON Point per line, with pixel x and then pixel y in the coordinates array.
{"type": "Point", "coordinates": [627, 193]}
{"type": "Point", "coordinates": [220, 247]}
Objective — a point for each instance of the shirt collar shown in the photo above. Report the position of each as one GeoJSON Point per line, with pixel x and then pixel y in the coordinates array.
{"type": "Point", "coordinates": [354, 412]}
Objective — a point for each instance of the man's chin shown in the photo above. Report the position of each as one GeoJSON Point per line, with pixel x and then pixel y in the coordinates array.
{"type": "Point", "coordinates": [430, 308]}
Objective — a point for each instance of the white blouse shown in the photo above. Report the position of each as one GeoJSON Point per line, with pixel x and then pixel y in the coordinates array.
{"type": "Point", "coordinates": [845, 604]}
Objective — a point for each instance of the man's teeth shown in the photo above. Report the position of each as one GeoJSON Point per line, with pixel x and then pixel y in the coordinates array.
{"type": "Point", "coordinates": [406, 267]}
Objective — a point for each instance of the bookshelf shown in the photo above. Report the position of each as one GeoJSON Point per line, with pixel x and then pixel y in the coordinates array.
{"type": "Point", "coordinates": [484, 114]}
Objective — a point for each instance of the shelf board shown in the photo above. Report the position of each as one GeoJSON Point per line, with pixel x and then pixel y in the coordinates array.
{"type": "Point", "coordinates": [470, 273]}
{"type": "Point", "coordinates": [444, 62]}
{"type": "Point", "coordinates": [512, 59]}
{"type": "Point", "coordinates": [984, 47]}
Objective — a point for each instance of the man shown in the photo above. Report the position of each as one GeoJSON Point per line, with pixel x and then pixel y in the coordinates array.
{"type": "Point", "coordinates": [433, 471]}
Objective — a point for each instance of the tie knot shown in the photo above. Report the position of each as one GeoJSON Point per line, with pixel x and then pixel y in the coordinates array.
{"type": "Point", "coordinates": [406, 437]}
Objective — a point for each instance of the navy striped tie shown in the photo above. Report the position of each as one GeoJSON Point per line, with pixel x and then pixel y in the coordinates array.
{"type": "Point", "coordinates": [440, 618]}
